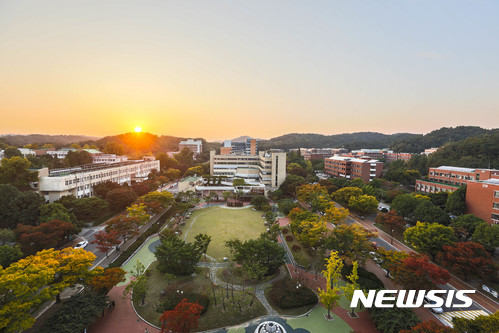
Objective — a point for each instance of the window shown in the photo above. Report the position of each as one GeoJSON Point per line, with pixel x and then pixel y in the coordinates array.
{"type": "Point", "coordinates": [495, 216]}
{"type": "Point", "coordinates": [495, 205]}
{"type": "Point", "coordinates": [496, 194]}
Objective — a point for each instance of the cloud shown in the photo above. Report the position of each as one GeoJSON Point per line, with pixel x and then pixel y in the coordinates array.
{"type": "Point", "coordinates": [430, 55]}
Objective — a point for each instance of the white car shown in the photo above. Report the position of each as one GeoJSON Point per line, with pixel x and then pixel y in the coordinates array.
{"type": "Point", "coordinates": [81, 245]}
{"type": "Point", "coordinates": [435, 310]}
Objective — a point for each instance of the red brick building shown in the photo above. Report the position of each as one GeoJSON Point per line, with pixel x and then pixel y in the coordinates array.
{"type": "Point", "coordinates": [398, 156]}
{"type": "Point", "coordinates": [352, 168]}
{"type": "Point", "coordinates": [482, 199]}
{"type": "Point", "coordinates": [322, 153]}
{"type": "Point", "coordinates": [447, 178]}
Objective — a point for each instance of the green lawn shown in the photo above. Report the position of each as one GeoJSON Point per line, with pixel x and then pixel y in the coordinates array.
{"type": "Point", "coordinates": [223, 224]}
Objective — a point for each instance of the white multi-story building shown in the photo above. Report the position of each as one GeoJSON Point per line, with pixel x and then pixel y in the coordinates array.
{"type": "Point", "coordinates": [108, 158]}
{"type": "Point", "coordinates": [79, 181]}
{"type": "Point", "coordinates": [268, 168]}
{"type": "Point", "coordinates": [196, 146]}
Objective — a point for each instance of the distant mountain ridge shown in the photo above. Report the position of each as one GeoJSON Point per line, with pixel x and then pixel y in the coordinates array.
{"type": "Point", "coordinates": [348, 140]}
{"type": "Point", "coordinates": [20, 140]}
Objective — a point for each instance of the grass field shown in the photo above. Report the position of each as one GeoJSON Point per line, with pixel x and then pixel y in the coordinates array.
{"type": "Point", "coordinates": [223, 224]}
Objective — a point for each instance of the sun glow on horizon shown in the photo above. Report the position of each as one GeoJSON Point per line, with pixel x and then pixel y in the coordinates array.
{"type": "Point", "coordinates": [138, 129]}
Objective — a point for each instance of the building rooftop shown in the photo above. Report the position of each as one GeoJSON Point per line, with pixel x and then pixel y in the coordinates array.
{"type": "Point", "coordinates": [351, 159]}
{"type": "Point", "coordinates": [457, 169]}
{"type": "Point", "coordinates": [492, 181]}
{"type": "Point", "coordinates": [89, 167]}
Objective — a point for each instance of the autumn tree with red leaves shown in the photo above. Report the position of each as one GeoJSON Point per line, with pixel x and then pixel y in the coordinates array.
{"type": "Point", "coordinates": [51, 234]}
{"type": "Point", "coordinates": [106, 240]}
{"type": "Point", "coordinates": [467, 259]}
{"type": "Point", "coordinates": [108, 279]}
{"type": "Point", "coordinates": [182, 319]}
{"type": "Point", "coordinates": [429, 327]}
{"type": "Point", "coordinates": [391, 220]}
{"type": "Point", "coordinates": [125, 226]}
{"type": "Point", "coordinates": [417, 272]}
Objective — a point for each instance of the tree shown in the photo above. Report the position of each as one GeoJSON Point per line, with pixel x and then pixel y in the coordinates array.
{"type": "Point", "coordinates": [429, 237]}
{"type": "Point", "coordinates": [393, 320]}
{"type": "Point", "coordinates": [417, 272]}
{"type": "Point", "coordinates": [75, 314]}
{"type": "Point", "coordinates": [124, 226]}
{"type": "Point", "coordinates": [352, 242]}
{"type": "Point", "coordinates": [11, 152]}
{"type": "Point", "coordinates": [103, 283]}
{"type": "Point", "coordinates": [15, 171]}
{"type": "Point", "coordinates": [404, 204]}
{"type": "Point", "coordinates": [176, 256]}
{"type": "Point", "coordinates": [120, 198]}
{"type": "Point", "coordinates": [465, 225]}
{"type": "Point", "coordinates": [336, 215]}
{"type": "Point", "coordinates": [55, 211]}
{"type": "Point", "coordinates": [9, 254]}
{"type": "Point", "coordinates": [114, 148]}
{"type": "Point", "coordinates": [467, 259]}
{"type": "Point", "coordinates": [343, 195]}
{"type": "Point", "coordinates": [29, 282]}
{"type": "Point", "coordinates": [455, 204]}
{"type": "Point", "coordinates": [290, 184]}
{"type": "Point", "coordinates": [364, 204]}
{"type": "Point", "coordinates": [140, 188]}
{"type": "Point", "coordinates": [261, 250]}
{"type": "Point", "coordinates": [426, 211]}
{"type": "Point", "coordinates": [429, 327]}
{"type": "Point", "coordinates": [138, 212]}
{"type": "Point", "coordinates": [183, 319]}
{"type": "Point", "coordinates": [8, 195]}
{"type": "Point", "coordinates": [138, 282]}
{"type": "Point", "coordinates": [351, 286]}
{"type": "Point", "coordinates": [103, 189]}
{"type": "Point", "coordinates": [76, 158]}
{"type": "Point", "coordinates": [391, 259]}
{"type": "Point", "coordinates": [166, 162]}
{"type": "Point", "coordinates": [6, 236]}
{"type": "Point", "coordinates": [330, 296]}
{"type": "Point", "coordinates": [51, 234]}
{"type": "Point", "coordinates": [481, 324]}
{"type": "Point", "coordinates": [226, 195]}
{"type": "Point", "coordinates": [310, 233]}
{"type": "Point", "coordinates": [390, 220]}
{"type": "Point", "coordinates": [196, 170]}
{"type": "Point", "coordinates": [173, 173]}
{"type": "Point", "coordinates": [27, 207]}
{"type": "Point", "coordinates": [285, 205]}
{"type": "Point", "coordinates": [202, 241]}
{"type": "Point", "coordinates": [106, 240]}
{"type": "Point", "coordinates": [315, 195]}
{"type": "Point", "coordinates": [259, 202]}
{"type": "Point", "coordinates": [488, 236]}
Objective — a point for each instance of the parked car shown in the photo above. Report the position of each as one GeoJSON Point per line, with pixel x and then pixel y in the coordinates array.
{"type": "Point", "coordinates": [81, 245]}
{"type": "Point", "coordinates": [435, 310]}
{"type": "Point", "coordinates": [377, 259]}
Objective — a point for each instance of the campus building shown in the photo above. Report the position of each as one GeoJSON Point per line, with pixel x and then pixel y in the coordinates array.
{"type": "Point", "coordinates": [352, 168]}
{"type": "Point", "coordinates": [321, 153]}
{"type": "Point", "coordinates": [79, 181]}
{"type": "Point", "coordinates": [448, 178]}
{"type": "Point", "coordinates": [482, 199]}
{"type": "Point", "coordinates": [268, 168]}
{"type": "Point", "coordinates": [248, 147]}
{"type": "Point", "coordinates": [196, 146]}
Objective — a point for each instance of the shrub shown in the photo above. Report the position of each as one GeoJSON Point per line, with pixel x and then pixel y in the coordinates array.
{"type": "Point", "coordinates": [296, 248]}
{"type": "Point", "coordinates": [171, 298]}
{"type": "Point", "coordinates": [285, 231]}
{"type": "Point", "coordinates": [285, 294]}
{"type": "Point", "coordinates": [289, 238]}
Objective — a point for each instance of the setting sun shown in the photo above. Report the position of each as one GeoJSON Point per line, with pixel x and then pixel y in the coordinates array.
{"type": "Point", "coordinates": [138, 129]}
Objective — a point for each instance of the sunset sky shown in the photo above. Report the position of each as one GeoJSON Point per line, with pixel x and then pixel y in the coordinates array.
{"type": "Point", "coordinates": [221, 69]}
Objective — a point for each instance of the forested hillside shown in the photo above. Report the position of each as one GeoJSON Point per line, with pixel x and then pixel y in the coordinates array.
{"type": "Point", "coordinates": [437, 138]}
{"type": "Point", "coordinates": [476, 152]}
{"type": "Point", "coordinates": [347, 140]}
{"type": "Point", "coordinates": [41, 139]}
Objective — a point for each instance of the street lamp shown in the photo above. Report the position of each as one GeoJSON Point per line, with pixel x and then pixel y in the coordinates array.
{"type": "Point", "coordinates": [180, 294]}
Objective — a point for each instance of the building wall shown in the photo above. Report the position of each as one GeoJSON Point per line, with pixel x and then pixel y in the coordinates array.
{"type": "Point", "coordinates": [80, 183]}
{"type": "Point", "coordinates": [482, 200]}
{"type": "Point", "coordinates": [351, 168]}
{"type": "Point", "coordinates": [433, 187]}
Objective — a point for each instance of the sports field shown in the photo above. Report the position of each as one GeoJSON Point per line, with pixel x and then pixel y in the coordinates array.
{"type": "Point", "coordinates": [222, 224]}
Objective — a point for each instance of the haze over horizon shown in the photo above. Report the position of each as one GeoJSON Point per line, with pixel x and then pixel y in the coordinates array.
{"type": "Point", "coordinates": [221, 69]}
